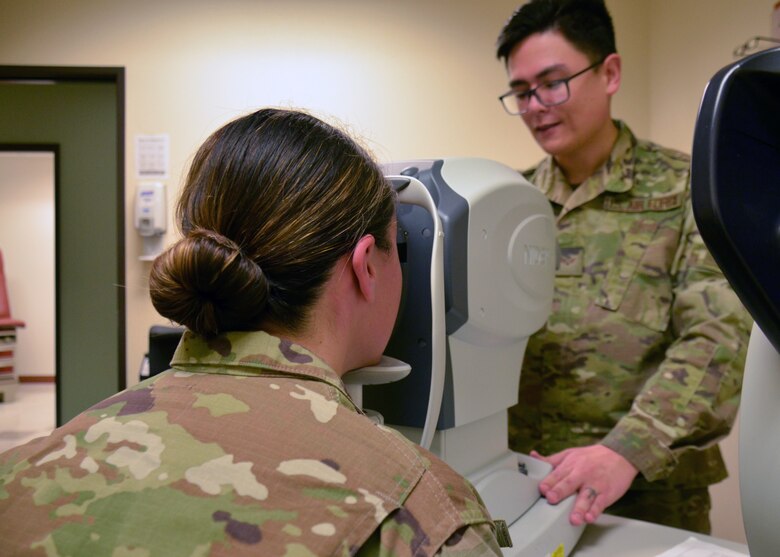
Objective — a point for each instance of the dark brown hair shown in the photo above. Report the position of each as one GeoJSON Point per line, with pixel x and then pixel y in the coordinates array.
{"type": "Point", "coordinates": [271, 202]}
{"type": "Point", "coordinates": [584, 23]}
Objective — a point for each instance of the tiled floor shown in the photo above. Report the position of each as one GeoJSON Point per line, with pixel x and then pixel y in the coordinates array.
{"type": "Point", "coordinates": [31, 414]}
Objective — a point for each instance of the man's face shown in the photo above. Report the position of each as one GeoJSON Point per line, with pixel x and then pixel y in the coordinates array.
{"type": "Point", "coordinates": [564, 129]}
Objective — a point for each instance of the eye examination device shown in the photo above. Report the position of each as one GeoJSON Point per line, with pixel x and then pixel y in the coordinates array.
{"type": "Point", "coordinates": [478, 254]}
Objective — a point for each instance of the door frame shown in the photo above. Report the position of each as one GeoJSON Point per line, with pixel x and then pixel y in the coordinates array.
{"type": "Point", "coordinates": [116, 76]}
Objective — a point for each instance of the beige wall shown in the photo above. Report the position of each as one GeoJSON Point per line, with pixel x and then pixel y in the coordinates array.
{"type": "Point", "coordinates": [416, 81]}
{"type": "Point", "coordinates": [690, 40]}
{"type": "Point", "coordinates": [416, 78]}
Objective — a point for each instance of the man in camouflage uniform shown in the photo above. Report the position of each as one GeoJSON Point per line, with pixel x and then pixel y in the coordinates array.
{"type": "Point", "coordinates": [638, 372]}
{"type": "Point", "coordinates": [249, 445]}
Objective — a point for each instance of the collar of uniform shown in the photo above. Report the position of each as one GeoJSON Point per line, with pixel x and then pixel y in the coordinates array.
{"type": "Point", "coordinates": [618, 171]}
{"type": "Point", "coordinates": [250, 353]}
{"type": "Point", "coordinates": [549, 178]}
{"type": "Point", "coordinates": [616, 176]}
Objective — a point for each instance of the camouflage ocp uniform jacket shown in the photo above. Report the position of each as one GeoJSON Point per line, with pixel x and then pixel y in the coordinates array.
{"type": "Point", "coordinates": [249, 446]}
{"type": "Point", "coordinates": [645, 346]}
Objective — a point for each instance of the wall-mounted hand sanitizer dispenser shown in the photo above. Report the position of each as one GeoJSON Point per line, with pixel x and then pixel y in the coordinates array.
{"type": "Point", "coordinates": [150, 217]}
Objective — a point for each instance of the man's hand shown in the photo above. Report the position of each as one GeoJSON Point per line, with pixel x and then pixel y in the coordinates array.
{"type": "Point", "coordinates": [600, 475]}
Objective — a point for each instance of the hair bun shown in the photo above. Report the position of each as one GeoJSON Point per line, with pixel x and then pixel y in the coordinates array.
{"type": "Point", "coordinates": [207, 284]}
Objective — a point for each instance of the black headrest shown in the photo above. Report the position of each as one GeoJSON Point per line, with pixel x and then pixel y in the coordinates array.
{"type": "Point", "coordinates": [162, 344]}
{"type": "Point", "coordinates": [735, 182]}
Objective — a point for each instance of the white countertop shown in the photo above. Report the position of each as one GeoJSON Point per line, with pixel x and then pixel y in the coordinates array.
{"type": "Point", "coordinates": [613, 536]}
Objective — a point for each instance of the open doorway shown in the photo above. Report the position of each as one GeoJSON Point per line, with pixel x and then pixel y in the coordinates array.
{"type": "Point", "coordinates": [27, 190]}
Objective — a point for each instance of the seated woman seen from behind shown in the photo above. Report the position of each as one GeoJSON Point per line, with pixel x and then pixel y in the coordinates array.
{"type": "Point", "coordinates": [286, 277]}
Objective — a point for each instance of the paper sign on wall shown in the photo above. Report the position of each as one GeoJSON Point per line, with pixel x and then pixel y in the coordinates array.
{"type": "Point", "coordinates": [152, 156]}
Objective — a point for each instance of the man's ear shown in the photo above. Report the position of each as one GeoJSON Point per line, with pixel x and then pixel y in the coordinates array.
{"type": "Point", "coordinates": [612, 71]}
{"type": "Point", "coordinates": [363, 267]}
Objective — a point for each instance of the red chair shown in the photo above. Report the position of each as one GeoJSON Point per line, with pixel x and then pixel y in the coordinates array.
{"type": "Point", "coordinates": [8, 326]}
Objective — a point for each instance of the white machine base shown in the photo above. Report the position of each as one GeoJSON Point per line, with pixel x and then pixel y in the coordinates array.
{"type": "Point", "coordinates": [478, 450]}
{"type": "Point", "coordinates": [544, 531]}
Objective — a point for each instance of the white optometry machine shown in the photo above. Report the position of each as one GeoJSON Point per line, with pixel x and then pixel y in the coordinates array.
{"type": "Point", "coordinates": [486, 239]}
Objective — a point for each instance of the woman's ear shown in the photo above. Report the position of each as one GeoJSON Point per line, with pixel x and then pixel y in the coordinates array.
{"type": "Point", "coordinates": [612, 71]}
{"type": "Point", "coordinates": [363, 267]}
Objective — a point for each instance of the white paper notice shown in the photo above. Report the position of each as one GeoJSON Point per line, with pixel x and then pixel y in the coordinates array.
{"type": "Point", "coordinates": [151, 156]}
{"type": "Point", "coordinates": [693, 547]}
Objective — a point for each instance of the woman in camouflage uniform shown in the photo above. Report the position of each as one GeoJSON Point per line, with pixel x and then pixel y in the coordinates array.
{"type": "Point", "coordinates": [286, 277]}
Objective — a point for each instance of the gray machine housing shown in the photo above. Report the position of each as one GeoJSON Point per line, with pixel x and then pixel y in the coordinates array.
{"type": "Point", "coordinates": [499, 260]}
{"type": "Point", "coordinates": [412, 341]}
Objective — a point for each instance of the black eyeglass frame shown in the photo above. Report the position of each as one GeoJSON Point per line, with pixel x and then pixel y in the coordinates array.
{"type": "Point", "coordinates": [533, 92]}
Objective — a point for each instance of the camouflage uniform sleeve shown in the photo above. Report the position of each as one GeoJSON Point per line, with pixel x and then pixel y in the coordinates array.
{"type": "Point", "coordinates": [691, 401]}
{"type": "Point", "coordinates": [471, 541]}
{"type": "Point", "coordinates": [475, 541]}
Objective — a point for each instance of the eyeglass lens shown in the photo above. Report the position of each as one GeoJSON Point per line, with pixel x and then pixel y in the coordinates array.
{"type": "Point", "coordinates": [549, 94]}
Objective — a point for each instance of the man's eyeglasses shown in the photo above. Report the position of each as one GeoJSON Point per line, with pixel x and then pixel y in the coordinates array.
{"type": "Point", "coordinates": [551, 93]}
